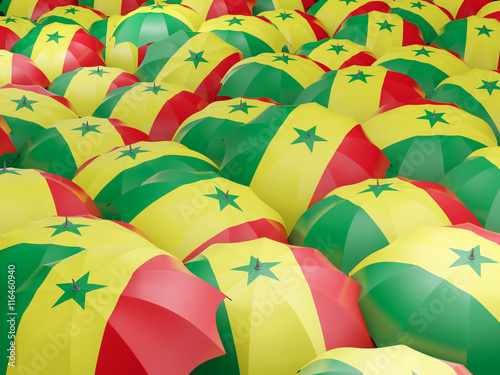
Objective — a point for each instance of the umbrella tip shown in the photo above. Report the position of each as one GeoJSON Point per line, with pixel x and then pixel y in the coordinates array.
{"type": "Point", "coordinates": [4, 166]}
{"type": "Point", "coordinates": [308, 135]}
{"type": "Point", "coordinates": [378, 184]}
{"type": "Point", "coordinates": [66, 223]}
{"type": "Point", "coordinates": [257, 265]}
{"type": "Point", "coordinates": [76, 288]}
{"type": "Point", "coordinates": [130, 149]}
{"type": "Point", "coordinates": [489, 84]}
{"type": "Point", "coordinates": [87, 126]}
{"type": "Point", "coordinates": [241, 103]}
{"type": "Point", "coordinates": [359, 72]}
{"type": "Point", "coordinates": [434, 114]}
{"type": "Point", "coordinates": [471, 255]}
{"type": "Point", "coordinates": [226, 195]}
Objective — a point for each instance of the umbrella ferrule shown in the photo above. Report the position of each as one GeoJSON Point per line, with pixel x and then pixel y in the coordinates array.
{"type": "Point", "coordinates": [76, 288]}
{"type": "Point", "coordinates": [66, 224]}
{"type": "Point", "coordinates": [226, 196]}
{"type": "Point", "coordinates": [257, 265]}
{"type": "Point", "coordinates": [4, 166]}
{"type": "Point", "coordinates": [471, 255]}
{"type": "Point", "coordinates": [378, 184]}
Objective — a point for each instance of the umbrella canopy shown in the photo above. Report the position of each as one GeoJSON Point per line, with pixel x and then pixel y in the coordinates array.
{"type": "Point", "coordinates": [380, 31]}
{"type": "Point", "coordinates": [8, 152]}
{"type": "Point", "coordinates": [109, 175]}
{"type": "Point", "coordinates": [390, 360]}
{"type": "Point", "coordinates": [463, 8]}
{"type": "Point", "coordinates": [298, 27]}
{"type": "Point", "coordinates": [136, 310]}
{"type": "Point", "coordinates": [285, 306]}
{"type": "Point", "coordinates": [359, 91]}
{"type": "Point", "coordinates": [206, 130]}
{"type": "Point", "coordinates": [216, 209]}
{"type": "Point", "coordinates": [354, 221]}
{"type": "Point", "coordinates": [337, 54]}
{"type": "Point", "coordinates": [59, 48]}
{"type": "Point", "coordinates": [286, 76]}
{"type": "Point", "coordinates": [473, 38]}
{"type": "Point", "coordinates": [112, 7]}
{"type": "Point", "coordinates": [197, 61]}
{"type": "Point", "coordinates": [266, 5]}
{"type": "Point", "coordinates": [424, 139]}
{"type": "Point", "coordinates": [428, 66]}
{"type": "Point", "coordinates": [12, 29]}
{"type": "Point", "coordinates": [333, 12]}
{"type": "Point", "coordinates": [65, 146]}
{"type": "Point", "coordinates": [29, 194]}
{"type": "Point", "coordinates": [212, 9]}
{"type": "Point", "coordinates": [430, 281]}
{"type": "Point", "coordinates": [490, 10]}
{"type": "Point", "coordinates": [292, 163]}
{"type": "Point", "coordinates": [251, 35]}
{"type": "Point", "coordinates": [20, 70]}
{"type": "Point", "coordinates": [32, 9]}
{"type": "Point", "coordinates": [157, 109]}
{"type": "Point", "coordinates": [84, 16]}
{"type": "Point", "coordinates": [124, 55]}
{"type": "Point", "coordinates": [87, 87]}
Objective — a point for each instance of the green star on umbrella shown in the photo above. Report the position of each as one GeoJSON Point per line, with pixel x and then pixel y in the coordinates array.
{"type": "Point", "coordinates": [55, 37]}
{"type": "Point", "coordinates": [67, 226]}
{"type": "Point", "coordinates": [385, 26]}
{"type": "Point", "coordinates": [9, 20]}
{"type": "Point", "coordinates": [225, 199]}
{"type": "Point", "coordinates": [378, 189]}
{"type": "Point", "coordinates": [4, 170]}
{"type": "Point", "coordinates": [418, 5]}
{"type": "Point", "coordinates": [24, 102]}
{"type": "Point", "coordinates": [433, 117]}
{"type": "Point", "coordinates": [284, 15]}
{"type": "Point", "coordinates": [157, 6]}
{"type": "Point", "coordinates": [489, 85]}
{"type": "Point", "coordinates": [256, 268]}
{"type": "Point", "coordinates": [235, 21]}
{"type": "Point", "coordinates": [347, 2]}
{"type": "Point", "coordinates": [422, 51]}
{"type": "Point", "coordinates": [71, 10]}
{"type": "Point", "coordinates": [308, 137]}
{"type": "Point", "coordinates": [243, 107]}
{"type": "Point", "coordinates": [359, 76]}
{"type": "Point", "coordinates": [284, 58]}
{"type": "Point", "coordinates": [77, 291]}
{"type": "Point", "coordinates": [337, 48]}
{"type": "Point", "coordinates": [98, 72]}
{"type": "Point", "coordinates": [472, 258]}
{"type": "Point", "coordinates": [196, 58]}
{"type": "Point", "coordinates": [155, 89]}
{"type": "Point", "coordinates": [86, 128]}
{"type": "Point", "coordinates": [131, 152]}
{"type": "Point", "coordinates": [484, 30]}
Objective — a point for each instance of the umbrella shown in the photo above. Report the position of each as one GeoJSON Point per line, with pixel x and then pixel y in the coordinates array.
{"type": "Point", "coordinates": [428, 66]}
{"type": "Point", "coordinates": [286, 76]}
{"type": "Point", "coordinates": [12, 29]}
{"type": "Point", "coordinates": [86, 87]}
{"type": "Point", "coordinates": [59, 48]}
{"type": "Point", "coordinates": [112, 7]}
{"type": "Point", "coordinates": [292, 162]}
{"type": "Point", "coordinates": [428, 16]}
{"type": "Point", "coordinates": [31, 9]}
{"type": "Point", "coordinates": [462, 8]}
{"type": "Point", "coordinates": [65, 146]}
{"type": "Point", "coordinates": [390, 360]}
{"type": "Point", "coordinates": [206, 130]}
{"type": "Point", "coordinates": [216, 209]}
{"type": "Point", "coordinates": [266, 5]}
{"type": "Point", "coordinates": [8, 152]}
{"type": "Point", "coordinates": [298, 27]}
{"type": "Point", "coordinates": [337, 54]}
{"type": "Point", "coordinates": [212, 9]}
{"type": "Point", "coordinates": [344, 90]}
{"type": "Point", "coordinates": [472, 38]}
{"type": "Point", "coordinates": [490, 10]}
{"type": "Point", "coordinates": [251, 35]}
{"type": "Point", "coordinates": [111, 310]}
{"type": "Point", "coordinates": [332, 13]}
{"type": "Point", "coordinates": [354, 221]}
{"type": "Point", "coordinates": [197, 61]}
{"type": "Point", "coordinates": [29, 194]}
{"type": "Point", "coordinates": [285, 305]}
{"type": "Point", "coordinates": [20, 70]}
{"type": "Point", "coordinates": [121, 169]}
{"type": "Point", "coordinates": [124, 55]}
{"type": "Point", "coordinates": [423, 139]}
{"type": "Point", "coordinates": [156, 109]}
{"type": "Point", "coordinates": [438, 288]}
{"type": "Point", "coordinates": [476, 91]}
{"type": "Point", "coordinates": [380, 31]}
{"type": "Point", "coordinates": [84, 16]}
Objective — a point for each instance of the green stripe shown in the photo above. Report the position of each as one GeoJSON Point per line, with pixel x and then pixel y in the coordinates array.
{"type": "Point", "coordinates": [4, 6]}
{"type": "Point", "coordinates": [109, 103]}
{"type": "Point", "coordinates": [52, 19]}
{"type": "Point", "coordinates": [60, 84]}
{"type": "Point", "coordinates": [329, 366]}
{"type": "Point", "coordinates": [453, 36]}
{"type": "Point", "coordinates": [355, 29]}
{"type": "Point", "coordinates": [425, 27]}
{"type": "Point", "coordinates": [21, 130]}
{"type": "Point", "coordinates": [316, 7]}
{"type": "Point", "coordinates": [307, 48]}
{"type": "Point", "coordinates": [246, 145]}
{"type": "Point", "coordinates": [320, 91]}
{"type": "Point", "coordinates": [99, 30]}
{"type": "Point", "coordinates": [25, 45]}
{"type": "Point", "coordinates": [341, 230]}
{"type": "Point", "coordinates": [263, 6]}
{"type": "Point", "coordinates": [248, 44]}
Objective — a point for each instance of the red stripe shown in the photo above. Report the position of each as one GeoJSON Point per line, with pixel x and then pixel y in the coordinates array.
{"type": "Point", "coordinates": [209, 87]}
{"type": "Point", "coordinates": [129, 134]}
{"type": "Point", "coordinates": [40, 90]}
{"type": "Point", "coordinates": [224, 7]}
{"type": "Point", "coordinates": [44, 6]}
{"type": "Point", "coordinates": [163, 323]}
{"type": "Point", "coordinates": [495, 15]}
{"type": "Point", "coordinates": [123, 79]}
{"type": "Point", "coordinates": [366, 8]}
{"type": "Point", "coordinates": [173, 113]}
{"type": "Point", "coordinates": [361, 58]}
{"type": "Point", "coordinates": [100, 14]}
{"type": "Point", "coordinates": [453, 208]}
{"type": "Point", "coordinates": [412, 35]}
{"type": "Point", "coordinates": [355, 160]}
{"type": "Point", "coordinates": [130, 5]}
{"type": "Point", "coordinates": [6, 145]}
{"type": "Point", "coordinates": [335, 296]}
{"type": "Point", "coordinates": [398, 87]}
{"type": "Point", "coordinates": [84, 50]}
{"type": "Point", "coordinates": [7, 38]}
{"type": "Point", "coordinates": [444, 10]}
{"type": "Point", "coordinates": [251, 230]}
{"type": "Point", "coordinates": [307, 4]}
{"type": "Point", "coordinates": [25, 72]}
{"type": "Point", "coordinates": [458, 368]}
{"type": "Point", "coordinates": [316, 25]}
{"type": "Point", "coordinates": [321, 65]}
{"type": "Point", "coordinates": [133, 229]}
{"type": "Point", "coordinates": [69, 198]}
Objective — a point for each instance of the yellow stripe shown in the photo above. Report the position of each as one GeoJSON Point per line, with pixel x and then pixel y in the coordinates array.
{"type": "Point", "coordinates": [265, 313]}
{"type": "Point", "coordinates": [194, 218]}
{"type": "Point", "coordinates": [489, 8]}
{"type": "Point", "coordinates": [21, 8]}
{"type": "Point", "coordinates": [5, 67]}
{"type": "Point", "coordinates": [429, 248]}
{"type": "Point", "coordinates": [122, 55]}
{"type": "Point", "coordinates": [492, 154]}
{"type": "Point", "coordinates": [83, 16]}
{"type": "Point", "coordinates": [201, 7]}
{"type": "Point", "coordinates": [452, 6]}
{"type": "Point", "coordinates": [289, 4]}
{"type": "Point", "coordinates": [330, 58]}
{"type": "Point", "coordinates": [480, 51]}
{"type": "Point", "coordinates": [288, 173]}
{"type": "Point", "coordinates": [380, 41]}
{"type": "Point", "coordinates": [385, 129]}
{"type": "Point", "coordinates": [109, 7]}
{"type": "Point", "coordinates": [111, 267]}
{"type": "Point", "coordinates": [21, 27]}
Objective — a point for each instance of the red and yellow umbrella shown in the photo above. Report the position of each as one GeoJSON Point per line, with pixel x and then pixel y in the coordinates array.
{"type": "Point", "coordinates": [12, 29]}
{"type": "Point", "coordinates": [112, 7]}
{"type": "Point", "coordinates": [32, 9]}
{"type": "Point", "coordinates": [285, 305]}
{"type": "Point", "coordinates": [84, 16]}
{"type": "Point", "coordinates": [463, 8]}
{"type": "Point", "coordinates": [157, 109]}
{"type": "Point", "coordinates": [490, 10]}
{"type": "Point", "coordinates": [266, 5]}
{"type": "Point", "coordinates": [124, 55]}
{"type": "Point", "coordinates": [21, 70]}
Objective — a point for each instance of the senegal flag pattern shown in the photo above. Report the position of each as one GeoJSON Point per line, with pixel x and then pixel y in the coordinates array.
{"type": "Point", "coordinates": [412, 290]}
{"type": "Point", "coordinates": [12, 29]}
{"type": "Point", "coordinates": [265, 5]}
{"type": "Point", "coordinates": [81, 15]}
{"type": "Point", "coordinates": [490, 10]}
{"type": "Point", "coordinates": [356, 220]}
{"type": "Point", "coordinates": [21, 70]}
{"type": "Point", "coordinates": [463, 8]}
{"type": "Point", "coordinates": [112, 7]}
{"type": "Point", "coordinates": [32, 9]}
{"type": "Point", "coordinates": [277, 314]}
{"type": "Point", "coordinates": [291, 165]}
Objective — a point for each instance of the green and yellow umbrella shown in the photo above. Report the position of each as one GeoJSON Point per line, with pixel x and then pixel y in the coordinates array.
{"type": "Point", "coordinates": [185, 202]}
{"type": "Point", "coordinates": [84, 16]}
{"type": "Point", "coordinates": [337, 54]}
{"type": "Point", "coordinates": [87, 87]}
{"type": "Point", "coordinates": [112, 7]}
{"type": "Point", "coordinates": [436, 290]}
{"type": "Point", "coordinates": [428, 66]}
{"type": "Point", "coordinates": [354, 221]}
{"type": "Point", "coordinates": [423, 139]}
{"type": "Point", "coordinates": [21, 70]}
{"type": "Point", "coordinates": [292, 163]}
{"type": "Point", "coordinates": [109, 175]}
{"type": "Point", "coordinates": [32, 9]}
{"type": "Point", "coordinates": [12, 29]}
{"type": "Point", "coordinates": [389, 360]}
{"type": "Point", "coordinates": [250, 34]}
{"type": "Point", "coordinates": [65, 146]}
{"type": "Point", "coordinates": [490, 10]}
{"type": "Point", "coordinates": [267, 5]}
{"type": "Point", "coordinates": [380, 31]}
{"type": "Point", "coordinates": [285, 305]}
{"type": "Point", "coordinates": [197, 61]}
{"type": "Point", "coordinates": [157, 109]}
{"type": "Point", "coordinates": [463, 8]}
{"type": "Point", "coordinates": [286, 76]}
{"type": "Point", "coordinates": [359, 91]}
